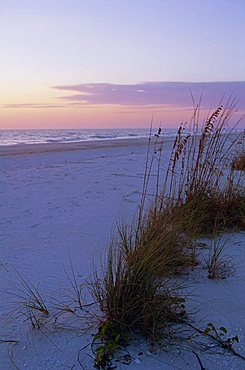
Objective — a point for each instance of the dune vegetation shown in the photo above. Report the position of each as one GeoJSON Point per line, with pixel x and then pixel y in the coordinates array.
{"type": "Point", "coordinates": [198, 193]}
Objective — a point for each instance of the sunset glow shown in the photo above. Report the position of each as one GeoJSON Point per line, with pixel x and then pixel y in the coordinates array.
{"type": "Point", "coordinates": [100, 63]}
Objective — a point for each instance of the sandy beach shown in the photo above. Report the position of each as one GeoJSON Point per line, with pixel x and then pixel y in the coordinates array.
{"type": "Point", "coordinates": [10, 150]}
{"type": "Point", "coordinates": [58, 205]}
{"type": "Point", "coordinates": [61, 199]}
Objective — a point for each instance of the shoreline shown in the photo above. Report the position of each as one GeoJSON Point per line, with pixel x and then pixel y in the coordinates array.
{"type": "Point", "coordinates": [40, 148]}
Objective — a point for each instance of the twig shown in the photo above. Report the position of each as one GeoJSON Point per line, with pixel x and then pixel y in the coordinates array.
{"type": "Point", "coordinates": [8, 341]}
{"type": "Point", "coordinates": [221, 343]}
{"type": "Point", "coordinates": [199, 360]}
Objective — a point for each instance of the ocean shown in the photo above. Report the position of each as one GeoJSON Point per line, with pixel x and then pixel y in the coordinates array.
{"type": "Point", "coordinates": [20, 137]}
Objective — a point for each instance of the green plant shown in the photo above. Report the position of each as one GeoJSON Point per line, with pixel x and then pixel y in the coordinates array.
{"type": "Point", "coordinates": [111, 337]}
{"type": "Point", "coordinates": [221, 336]}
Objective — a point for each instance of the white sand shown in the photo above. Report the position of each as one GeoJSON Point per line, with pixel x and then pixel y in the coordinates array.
{"type": "Point", "coordinates": [60, 201]}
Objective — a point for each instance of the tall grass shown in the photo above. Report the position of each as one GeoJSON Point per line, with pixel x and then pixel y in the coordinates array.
{"type": "Point", "coordinates": [135, 293]}
{"type": "Point", "coordinates": [200, 185]}
{"type": "Point", "coordinates": [137, 270]}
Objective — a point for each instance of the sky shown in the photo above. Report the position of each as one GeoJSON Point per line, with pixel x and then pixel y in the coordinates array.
{"type": "Point", "coordinates": [115, 63]}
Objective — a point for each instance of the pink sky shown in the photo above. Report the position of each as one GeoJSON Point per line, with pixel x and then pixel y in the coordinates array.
{"type": "Point", "coordinates": [104, 105]}
{"type": "Point", "coordinates": [82, 63]}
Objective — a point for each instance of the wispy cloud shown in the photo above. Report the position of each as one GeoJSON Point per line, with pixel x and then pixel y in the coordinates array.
{"type": "Point", "coordinates": [154, 93]}
{"type": "Point", "coordinates": [163, 96]}
{"type": "Point", "coordinates": [31, 106]}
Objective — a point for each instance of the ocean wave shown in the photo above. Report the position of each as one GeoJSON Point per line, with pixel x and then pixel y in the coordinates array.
{"type": "Point", "coordinates": [12, 137]}
{"type": "Point", "coordinates": [103, 136]}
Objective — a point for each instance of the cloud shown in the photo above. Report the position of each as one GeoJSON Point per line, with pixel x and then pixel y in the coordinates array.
{"type": "Point", "coordinates": [155, 93]}
{"type": "Point", "coordinates": [154, 96]}
{"type": "Point", "coordinates": [30, 105]}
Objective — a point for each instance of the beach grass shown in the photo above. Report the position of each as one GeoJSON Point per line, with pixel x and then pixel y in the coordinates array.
{"type": "Point", "coordinates": [136, 276]}
{"type": "Point", "coordinates": [200, 194]}
{"type": "Point", "coordinates": [201, 188]}
{"type": "Point", "coordinates": [135, 294]}
{"type": "Point", "coordinates": [219, 265]}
